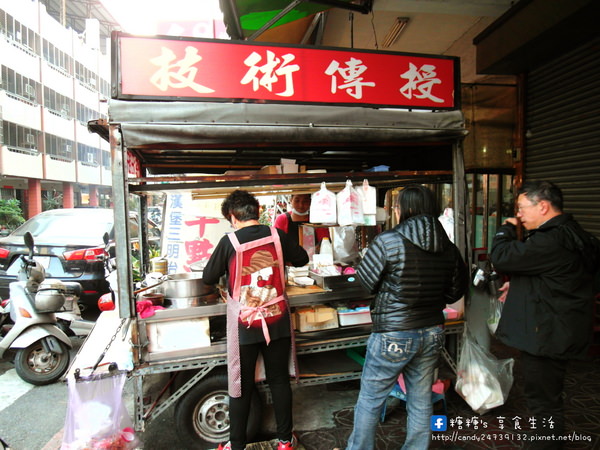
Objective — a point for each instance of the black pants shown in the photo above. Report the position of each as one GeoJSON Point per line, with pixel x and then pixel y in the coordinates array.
{"type": "Point", "coordinates": [276, 357]}
{"type": "Point", "coordinates": [544, 384]}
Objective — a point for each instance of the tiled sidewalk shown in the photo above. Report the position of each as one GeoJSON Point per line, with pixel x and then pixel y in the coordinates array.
{"type": "Point", "coordinates": [582, 408]}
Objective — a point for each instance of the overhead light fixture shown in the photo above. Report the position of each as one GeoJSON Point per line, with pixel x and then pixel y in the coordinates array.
{"type": "Point", "coordinates": [395, 31]}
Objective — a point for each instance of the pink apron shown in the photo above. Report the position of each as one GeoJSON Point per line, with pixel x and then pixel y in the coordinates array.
{"type": "Point", "coordinates": [237, 311]}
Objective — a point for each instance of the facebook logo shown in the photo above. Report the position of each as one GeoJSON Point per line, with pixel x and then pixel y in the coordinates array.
{"type": "Point", "coordinates": [439, 423]}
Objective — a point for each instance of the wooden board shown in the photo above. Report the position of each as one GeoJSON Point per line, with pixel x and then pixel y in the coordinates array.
{"type": "Point", "coordinates": [297, 290]}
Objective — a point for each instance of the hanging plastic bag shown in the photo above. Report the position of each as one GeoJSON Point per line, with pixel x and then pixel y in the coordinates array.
{"type": "Point", "coordinates": [482, 380]}
{"type": "Point", "coordinates": [368, 199]}
{"type": "Point", "coordinates": [497, 298]}
{"type": "Point", "coordinates": [345, 249]}
{"type": "Point", "coordinates": [323, 207]}
{"type": "Point", "coordinates": [349, 208]}
{"type": "Point", "coordinates": [447, 221]}
{"type": "Point", "coordinates": [494, 314]}
{"type": "Point", "coordinates": [96, 414]}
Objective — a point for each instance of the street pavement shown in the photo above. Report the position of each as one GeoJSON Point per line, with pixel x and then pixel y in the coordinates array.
{"type": "Point", "coordinates": [30, 416]}
{"type": "Point", "coordinates": [33, 417]}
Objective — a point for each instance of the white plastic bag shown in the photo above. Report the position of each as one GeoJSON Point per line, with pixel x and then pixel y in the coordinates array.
{"type": "Point", "coordinates": [349, 208]}
{"type": "Point", "coordinates": [447, 221]}
{"type": "Point", "coordinates": [96, 414]}
{"type": "Point", "coordinates": [495, 313]}
{"type": "Point", "coordinates": [323, 207]}
{"type": "Point", "coordinates": [482, 380]}
{"type": "Point", "coordinates": [345, 249]}
{"type": "Point", "coordinates": [368, 199]}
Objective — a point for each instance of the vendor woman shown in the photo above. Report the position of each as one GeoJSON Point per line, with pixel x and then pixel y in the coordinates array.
{"type": "Point", "coordinates": [289, 222]}
{"type": "Point", "coordinates": [258, 316]}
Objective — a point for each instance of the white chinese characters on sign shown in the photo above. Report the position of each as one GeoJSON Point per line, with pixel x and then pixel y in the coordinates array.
{"type": "Point", "coordinates": [422, 81]}
{"type": "Point", "coordinates": [270, 72]}
{"type": "Point", "coordinates": [177, 74]}
{"type": "Point", "coordinates": [351, 76]}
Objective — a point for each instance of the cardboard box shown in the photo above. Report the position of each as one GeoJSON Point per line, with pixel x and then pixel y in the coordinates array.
{"type": "Point", "coordinates": [354, 316]}
{"type": "Point", "coordinates": [270, 170]}
{"type": "Point", "coordinates": [315, 318]}
{"type": "Point", "coordinates": [289, 166]}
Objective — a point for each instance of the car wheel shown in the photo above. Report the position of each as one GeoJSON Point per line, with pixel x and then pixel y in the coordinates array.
{"type": "Point", "coordinates": [202, 414]}
{"type": "Point", "coordinates": [38, 366]}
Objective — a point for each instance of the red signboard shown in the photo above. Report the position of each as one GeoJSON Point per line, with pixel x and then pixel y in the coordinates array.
{"type": "Point", "coordinates": [201, 69]}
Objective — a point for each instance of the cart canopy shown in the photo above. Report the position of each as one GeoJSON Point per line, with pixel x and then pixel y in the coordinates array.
{"type": "Point", "coordinates": [208, 137]}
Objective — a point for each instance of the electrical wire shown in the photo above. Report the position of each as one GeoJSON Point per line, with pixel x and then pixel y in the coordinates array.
{"type": "Point", "coordinates": [374, 31]}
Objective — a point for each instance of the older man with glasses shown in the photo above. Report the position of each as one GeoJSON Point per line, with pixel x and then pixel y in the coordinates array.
{"type": "Point", "coordinates": [548, 310]}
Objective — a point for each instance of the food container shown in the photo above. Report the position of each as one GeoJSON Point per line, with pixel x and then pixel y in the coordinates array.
{"type": "Point", "coordinates": [190, 302]}
{"type": "Point", "coordinates": [354, 316]}
{"type": "Point", "coordinates": [160, 265]}
{"type": "Point", "coordinates": [156, 298]}
{"type": "Point", "coordinates": [180, 285]}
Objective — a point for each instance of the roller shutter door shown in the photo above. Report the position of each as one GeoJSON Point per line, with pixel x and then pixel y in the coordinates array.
{"type": "Point", "coordinates": [563, 130]}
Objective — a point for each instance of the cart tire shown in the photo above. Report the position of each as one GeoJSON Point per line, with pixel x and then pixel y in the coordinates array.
{"type": "Point", "coordinates": [202, 414]}
{"type": "Point", "coordinates": [39, 367]}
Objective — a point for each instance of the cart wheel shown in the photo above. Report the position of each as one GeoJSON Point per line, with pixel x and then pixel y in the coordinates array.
{"type": "Point", "coordinates": [202, 414]}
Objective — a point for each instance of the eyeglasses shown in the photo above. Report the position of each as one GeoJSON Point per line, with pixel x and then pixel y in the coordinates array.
{"type": "Point", "coordinates": [522, 207]}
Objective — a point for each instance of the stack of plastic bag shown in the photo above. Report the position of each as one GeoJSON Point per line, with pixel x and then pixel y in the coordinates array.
{"type": "Point", "coordinates": [349, 206]}
{"type": "Point", "coordinates": [323, 208]}
{"type": "Point", "coordinates": [368, 199]}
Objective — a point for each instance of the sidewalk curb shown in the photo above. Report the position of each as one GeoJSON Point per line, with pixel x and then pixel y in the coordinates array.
{"type": "Point", "coordinates": [56, 441]}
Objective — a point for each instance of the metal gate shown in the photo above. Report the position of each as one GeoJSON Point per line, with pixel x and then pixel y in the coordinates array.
{"type": "Point", "coordinates": [562, 130]}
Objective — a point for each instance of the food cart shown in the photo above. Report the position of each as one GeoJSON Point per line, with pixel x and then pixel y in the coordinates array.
{"type": "Point", "coordinates": [175, 127]}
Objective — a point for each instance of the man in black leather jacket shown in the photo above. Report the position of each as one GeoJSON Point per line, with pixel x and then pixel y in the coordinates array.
{"type": "Point", "coordinates": [414, 270]}
{"type": "Point", "coordinates": [548, 310]}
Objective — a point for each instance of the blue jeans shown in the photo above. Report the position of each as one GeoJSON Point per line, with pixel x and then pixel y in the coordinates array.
{"type": "Point", "coordinates": [415, 354]}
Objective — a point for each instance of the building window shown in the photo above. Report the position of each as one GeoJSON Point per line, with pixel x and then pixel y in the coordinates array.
{"type": "Point", "coordinates": [59, 148]}
{"type": "Point", "coordinates": [106, 159]}
{"type": "Point", "coordinates": [88, 155]}
{"type": "Point", "coordinates": [21, 87]}
{"type": "Point", "coordinates": [57, 58]}
{"type": "Point", "coordinates": [58, 104]}
{"type": "Point", "coordinates": [20, 139]}
{"type": "Point", "coordinates": [85, 114]}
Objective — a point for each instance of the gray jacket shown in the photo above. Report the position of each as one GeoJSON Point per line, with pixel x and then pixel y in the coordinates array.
{"type": "Point", "coordinates": [414, 270]}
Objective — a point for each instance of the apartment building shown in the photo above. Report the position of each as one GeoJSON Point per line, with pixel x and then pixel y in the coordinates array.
{"type": "Point", "coordinates": [53, 80]}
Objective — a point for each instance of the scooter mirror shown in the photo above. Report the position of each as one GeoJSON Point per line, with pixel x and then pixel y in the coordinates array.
{"type": "Point", "coordinates": [29, 243]}
{"type": "Point", "coordinates": [106, 239]}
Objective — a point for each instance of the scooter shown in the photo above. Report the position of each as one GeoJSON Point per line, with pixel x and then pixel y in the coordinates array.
{"type": "Point", "coordinates": [41, 348]}
{"type": "Point", "coordinates": [70, 321]}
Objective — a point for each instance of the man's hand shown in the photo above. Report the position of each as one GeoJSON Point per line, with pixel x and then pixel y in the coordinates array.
{"type": "Point", "coordinates": [504, 290]}
{"type": "Point", "coordinates": [512, 220]}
